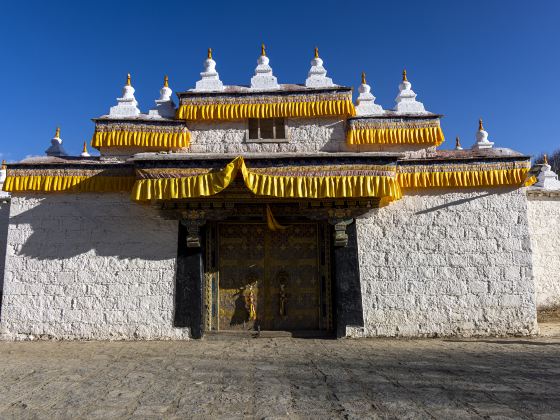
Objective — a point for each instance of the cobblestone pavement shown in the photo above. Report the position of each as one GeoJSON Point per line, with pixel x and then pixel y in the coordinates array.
{"type": "Point", "coordinates": [281, 378]}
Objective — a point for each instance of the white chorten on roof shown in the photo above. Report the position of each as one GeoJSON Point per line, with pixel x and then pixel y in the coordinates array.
{"type": "Point", "coordinates": [263, 78]}
{"type": "Point", "coordinates": [365, 104]}
{"type": "Point", "coordinates": [458, 144]}
{"type": "Point", "coordinates": [482, 141]}
{"type": "Point", "coordinates": [127, 105]}
{"type": "Point", "coordinates": [210, 79]}
{"type": "Point", "coordinates": [406, 99]}
{"type": "Point", "coordinates": [85, 151]}
{"type": "Point", "coordinates": [56, 148]}
{"type": "Point", "coordinates": [317, 76]}
{"type": "Point", "coordinates": [546, 178]}
{"type": "Point", "coordinates": [165, 107]}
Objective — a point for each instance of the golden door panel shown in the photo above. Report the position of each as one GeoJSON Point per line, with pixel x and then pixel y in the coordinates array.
{"type": "Point", "coordinates": [275, 280]}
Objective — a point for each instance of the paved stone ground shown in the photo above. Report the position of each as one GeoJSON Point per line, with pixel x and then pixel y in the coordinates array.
{"type": "Point", "coordinates": [282, 377]}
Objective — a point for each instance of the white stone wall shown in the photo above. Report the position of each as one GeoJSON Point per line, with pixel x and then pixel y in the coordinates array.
{"type": "Point", "coordinates": [442, 263]}
{"type": "Point", "coordinates": [4, 217]}
{"type": "Point", "coordinates": [88, 266]}
{"type": "Point", "coordinates": [304, 135]}
{"type": "Point", "coordinates": [544, 225]}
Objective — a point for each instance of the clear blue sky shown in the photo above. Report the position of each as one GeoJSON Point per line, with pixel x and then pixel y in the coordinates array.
{"type": "Point", "coordinates": [65, 62]}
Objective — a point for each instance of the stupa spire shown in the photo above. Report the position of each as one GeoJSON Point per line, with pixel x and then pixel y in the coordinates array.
{"type": "Point", "coordinates": [56, 148]}
{"type": "Point", "coordinates": [165, 107]}
{"type": "Point", "coordinates": [547, 178]}
{"type": "Point", "coordinates": [317, 75]}
{"type": "Point", "coordinates": [482, 141]}
{"type": "Point", "coordinates": [458, 144]}
{"type": "Point", "coordinates": [210, 79]}
{"type": "Point", "coordinates": [365, 103]}
{"type": "Point", "coordinates": [85, 151]}
{"type": "Point", "coordinates": [263, 78]}
{"type": "Point", "coordinates": [126, 104]}
{"type": "Point", "coordinates": [406, 99]}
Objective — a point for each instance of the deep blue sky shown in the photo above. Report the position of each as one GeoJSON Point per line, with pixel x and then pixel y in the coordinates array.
{"type": "Point", "coordinates": [65, 62]}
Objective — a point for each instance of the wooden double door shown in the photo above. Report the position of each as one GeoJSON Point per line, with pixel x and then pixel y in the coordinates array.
{"type": "Point", "coordinates": [269, 280]}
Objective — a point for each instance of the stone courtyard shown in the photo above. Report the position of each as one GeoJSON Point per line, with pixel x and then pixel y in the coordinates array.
{"type": "Point", "coordinates": [282, 377]}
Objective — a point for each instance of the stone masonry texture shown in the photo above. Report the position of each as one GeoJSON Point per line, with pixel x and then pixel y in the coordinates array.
{"type": "Point", "coordinates": [544, 224]}
{"type": "Point", "coordinates": [442, 263]}
{"type": "Point", "coordinates": [88, 266]}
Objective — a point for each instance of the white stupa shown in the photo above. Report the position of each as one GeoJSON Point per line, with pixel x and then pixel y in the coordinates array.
{"type": "Point", "coordinates": [547, 179]}
{"type": "Point", "coordinates": [85, 153]}
{"type": "Point", "coordinates": [126, 105]}
{"type": "Point", "coordinates": [365, 104]}
{"type": "Point", "coordinates": [406, 99]}
{"type": "Point", "coordinates": [317, 75]}
{"type": "Point", "coordinates": [165, 107]}
{"type": "Point", "coordinates": [263, 78]}
{"type": "Point", "coordinates": [210, 79]}
{"type": "Point", "coordinates": [482, 141]}
{"type": "Point", "coordinates": [56, 148]}
{"type": "Point", "coordinates": [458, 144]}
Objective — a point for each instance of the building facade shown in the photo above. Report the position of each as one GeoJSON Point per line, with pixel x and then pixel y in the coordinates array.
{"type": "Point", "coordinates": [270, 207]}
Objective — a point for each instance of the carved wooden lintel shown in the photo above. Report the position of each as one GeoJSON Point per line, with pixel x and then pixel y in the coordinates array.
{"type": "Point", "coordinates": [193, 220]}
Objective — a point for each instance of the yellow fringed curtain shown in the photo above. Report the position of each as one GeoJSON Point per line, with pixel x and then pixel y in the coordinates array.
{"type": "Point", "coordinates": [46, 183]}
{"type": "Point", "coordinates": [423, 135]}
{"type": "Point", "coordinates": [158, 140]}
{"type": "Point", "coordinates": [479, 178]}
{"type": "Point", "coordinates": [265, 110]}
{"type": "Point", "coordinates": [268, 185]}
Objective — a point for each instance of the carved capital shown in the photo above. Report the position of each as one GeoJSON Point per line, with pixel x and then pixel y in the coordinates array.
{"type": "Point", "coordinates": [193, 220]}
{"type": "Point", "coordinates": [339, 218]}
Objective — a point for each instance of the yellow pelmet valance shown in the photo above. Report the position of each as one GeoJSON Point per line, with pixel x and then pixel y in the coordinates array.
{"type": "Point", "coordinates": [146, 139]}
{"type": "Point", "coordinates": [419, 135]}
{"type": "Point", "coordinates": [268, 185]}
{"type": "Point", "coordinates": [58, 183]}
{"type": "Point", "coordinates": [237, 111]}
{"type": "Point", "coordinates": [475, 178]}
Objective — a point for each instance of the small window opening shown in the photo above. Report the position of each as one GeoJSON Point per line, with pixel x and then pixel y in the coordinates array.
{"type": "Point", "coordinates": [266, 128]}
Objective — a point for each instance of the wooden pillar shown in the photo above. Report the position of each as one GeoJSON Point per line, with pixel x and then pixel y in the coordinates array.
{"type": "Point", "coordinates": [346, 278]}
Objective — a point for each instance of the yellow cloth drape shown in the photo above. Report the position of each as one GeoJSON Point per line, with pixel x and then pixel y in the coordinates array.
{"type": "Point", "coordinates": [424, 135]}
{"type": "Point", "coordinates": [271, 221]}
{"type": "Point", "coordinates": [267, 185]}
{"type": "Point", "coordinates": [46, 183]}
{"type": "Point", "coordinates": [477, 178]}
{"type": "Point", "coordinates": [140, 139]}
{"type": "Point", "coordinates": [265, 110]}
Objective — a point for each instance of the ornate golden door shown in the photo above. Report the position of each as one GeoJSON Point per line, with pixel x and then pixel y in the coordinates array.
{"type": "Point", "coordinates": [272, 280]}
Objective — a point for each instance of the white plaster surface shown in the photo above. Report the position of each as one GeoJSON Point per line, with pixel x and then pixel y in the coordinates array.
{"type": "Point", "coordinates": [304, 135]}
{"type": "Point", "coordinates": [544, 224]}
{"type": "Point", "coordinates": [443, 263]}
{"type": "Point", "coordinates": [88, 266]}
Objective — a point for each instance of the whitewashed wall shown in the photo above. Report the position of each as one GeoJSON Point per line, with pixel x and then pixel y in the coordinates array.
{"type": "Point", "coordinates": [544, 225]}
{"type": "Point", "coordinates": [88, 266]}
{"type": "Point", "coordinates": [305, 135]}
{"type": "Point", "coordinates": [441, 263]}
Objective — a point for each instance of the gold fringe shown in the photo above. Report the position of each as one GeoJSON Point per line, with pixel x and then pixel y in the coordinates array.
{"type": "Point", "coordinates": [491, 178]}
{"type": "Point", "coordinates": [46, 183]}
{"type": "Point", "coordinates": [424, 135]}
{"type": "Point", "coordinates": [140, 139]}
{"type": "Point", "coordinates": [267, 185]}
{"type": "Point", "coordinates": [265, 110]}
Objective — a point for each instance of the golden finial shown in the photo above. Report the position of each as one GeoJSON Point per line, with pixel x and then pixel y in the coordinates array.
{"type": "Point", "coordinates": [263, 50]}
{"type": "Point", "coordinates": [404, 79]}
{"type": "Point", "coordinates": [480, 127]}
{"type": "Point", "coordinates": [363, 78]}
{"type": "Point", "coordinates": [209, 53]}
{"type": "Point", "coordinates": [316, 52]}
{"type": "Point", "coordinates": [165, 81]}
{"type": "Point", "coordinates": [128, 79]}
{"type": "Point", "coordinates": [4, 166]}
{"type": "Point", "coordinates": [57, 134]}
{"type": "Point", "coordinates": [457, 142]}
{"type": "Point", "coordinates": [84, 150]}
{"type": "Point", "coordinates": [545, 159]}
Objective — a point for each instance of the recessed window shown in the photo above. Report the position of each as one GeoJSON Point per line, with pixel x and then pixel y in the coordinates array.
{"type": "Point", "coordinates": [267, 129]}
